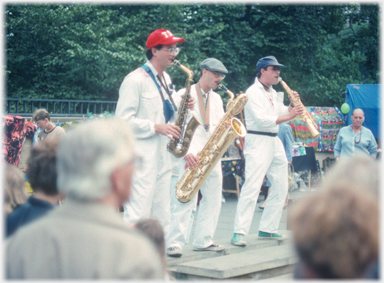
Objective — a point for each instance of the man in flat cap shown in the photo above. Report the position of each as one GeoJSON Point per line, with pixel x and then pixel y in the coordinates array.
{"type": "Point", "coordinates": [264, 153]}
{"type": "Point", "coordinates": [145, 102]}
{"type": "Point", "coordinates": [209, 111]}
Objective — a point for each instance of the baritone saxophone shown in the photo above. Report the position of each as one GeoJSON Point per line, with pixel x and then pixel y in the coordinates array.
{"type": "Point", "coordinates": [306, 117]}
{"type": "Point", "coordinates": [193, 178]}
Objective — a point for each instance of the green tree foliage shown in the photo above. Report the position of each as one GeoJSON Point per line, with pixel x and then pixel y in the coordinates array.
{"type": "Point", "coordinates": [83, 51]}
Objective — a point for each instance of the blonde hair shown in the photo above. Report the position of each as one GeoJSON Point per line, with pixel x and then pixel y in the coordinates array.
{"type": "Point", "coordinates": [15, 193]}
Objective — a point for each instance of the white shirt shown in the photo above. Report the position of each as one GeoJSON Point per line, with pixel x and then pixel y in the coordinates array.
{"type": "Point", "coordinates": [140, 102]}
{"type": "Point", "coordinates": [263, 108]}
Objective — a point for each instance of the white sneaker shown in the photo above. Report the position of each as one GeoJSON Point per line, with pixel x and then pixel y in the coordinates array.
{"type": "Point", "coordinates": [174, 252]}
{"type": "Point", "coordinates": [212, 248]}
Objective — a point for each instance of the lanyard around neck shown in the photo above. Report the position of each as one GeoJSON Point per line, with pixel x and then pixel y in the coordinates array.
{"type": "Point", "coordinates": [204, 109]}
{"type": "Point", "coordinates": [167, 91]}
{"type": "Point", "coordinates": [149, 71]}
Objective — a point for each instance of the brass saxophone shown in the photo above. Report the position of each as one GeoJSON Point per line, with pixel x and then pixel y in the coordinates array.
{"type": "Point", "coordinates": [192, 179]}
{"type": "Point", "coordinates": [179, 147]}
{"type": "Point", "coordinates": [307, 118]}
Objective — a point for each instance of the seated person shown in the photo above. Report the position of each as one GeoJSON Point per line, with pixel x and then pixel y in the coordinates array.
{"type": "Point", "coordinates": [42, 177]}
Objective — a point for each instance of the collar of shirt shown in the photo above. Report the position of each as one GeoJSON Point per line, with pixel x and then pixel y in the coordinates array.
{"type": "Point", "coordinates": [205, 94]}
{"type": "Point", "coordinates": [267, 93]}
{"type": "Point", "coordinates": [155, 73]}
{"type": "Point", "coordinates": [261, 85]}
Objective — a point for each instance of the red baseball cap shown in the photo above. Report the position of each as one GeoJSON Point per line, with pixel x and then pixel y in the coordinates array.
{"type": "Point", "coordinates": [162, 36]}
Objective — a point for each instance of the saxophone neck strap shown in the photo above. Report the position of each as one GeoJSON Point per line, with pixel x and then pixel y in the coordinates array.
{"type": "Point", "coordinates": [204, 109]}
{"type": "Point", "coordinates": [167, 91]}
{"type": "Point", "coordinates": [264, 86]}
{"type": "Point", "coordinates": [167, 107]}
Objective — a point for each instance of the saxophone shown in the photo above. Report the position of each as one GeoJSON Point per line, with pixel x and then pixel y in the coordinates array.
{"type": "Point", "coordinates": [179, 147]}
{"type": "Point", "coordinates": [192, 179]}
{"type": "Point", "coordinates": [307, 118]}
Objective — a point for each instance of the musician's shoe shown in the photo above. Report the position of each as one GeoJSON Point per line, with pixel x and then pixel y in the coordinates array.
{"type": "Point", "coordinates": [238, 240]}
{"type": "Point", "coordinates": [174, 252]}
{"type": "Point", "coordinates": [271, 236]}
{"type": "Point", "coordinates": [212, 248]}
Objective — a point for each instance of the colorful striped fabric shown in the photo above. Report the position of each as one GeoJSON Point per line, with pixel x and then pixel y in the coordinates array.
{"type": "Point", "coordinates": [329, 121]}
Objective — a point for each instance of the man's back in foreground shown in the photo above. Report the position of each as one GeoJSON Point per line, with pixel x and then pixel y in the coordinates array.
{"type": "Point", "coordinates": [86, 238]}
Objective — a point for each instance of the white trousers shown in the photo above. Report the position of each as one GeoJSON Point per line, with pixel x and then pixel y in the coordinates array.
{"type": "Point", "coordinates": [150, 191]}
{"type": "Point", "coordinates": [264, 155]}
{"type": "Point", "coordinates": [207, 216]}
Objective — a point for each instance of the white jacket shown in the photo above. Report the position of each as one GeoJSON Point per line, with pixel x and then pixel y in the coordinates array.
{"type": "Point", "coordinates": [201, 137]}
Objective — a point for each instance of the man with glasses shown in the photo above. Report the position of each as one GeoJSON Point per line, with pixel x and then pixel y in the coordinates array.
{"type": "Point", "coordinates": [209, 111]}
{"type": "Point", "coordinates": [146, 103]}
{"type": "Point", "coordinates": [264, 153]}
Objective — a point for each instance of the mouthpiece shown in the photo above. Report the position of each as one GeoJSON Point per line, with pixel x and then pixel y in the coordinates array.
{"type": "Point", "coordinates": [279, 79]}
{"type": "Point", "coordinates": [222, 87]}
{"type": "Point", "coordinates": [175, 62]}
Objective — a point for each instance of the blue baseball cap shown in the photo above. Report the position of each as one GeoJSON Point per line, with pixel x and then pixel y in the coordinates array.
{"type": "Point", "coordinates": [267, 61]}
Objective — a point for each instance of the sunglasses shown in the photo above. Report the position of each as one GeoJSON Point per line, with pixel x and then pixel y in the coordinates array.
{"type": "Point", "coordinates": [275, 68]}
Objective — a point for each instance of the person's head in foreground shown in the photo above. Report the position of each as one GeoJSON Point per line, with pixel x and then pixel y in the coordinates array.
{"type": "Point", "coordinates": [96, 161]}
{"type": "Point", "coordinates": [336, 229]}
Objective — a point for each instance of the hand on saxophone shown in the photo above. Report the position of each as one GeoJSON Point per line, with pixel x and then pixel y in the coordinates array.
{"type": "Point", "coordinates": [296, 94]}
{"type": "Point", "coordinates": [191, 160]}
{"type": "Point", "coordinates": [169, 130]}
{"type": "Point", "coordinates": [298, 110]}
{"type": "Point", "coordinates": [191, 103]}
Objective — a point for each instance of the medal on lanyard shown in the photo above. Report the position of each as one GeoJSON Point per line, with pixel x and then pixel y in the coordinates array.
{"type": "Point", "coordinates": [203, 109]}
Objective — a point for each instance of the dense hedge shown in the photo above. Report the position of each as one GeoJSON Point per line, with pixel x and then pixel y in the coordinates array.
{"type": "Point", "coordinates": [83, 51]}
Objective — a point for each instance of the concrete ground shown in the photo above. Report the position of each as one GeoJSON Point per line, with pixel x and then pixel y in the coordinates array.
{"type": "Point", "coordinates": [225, 224]}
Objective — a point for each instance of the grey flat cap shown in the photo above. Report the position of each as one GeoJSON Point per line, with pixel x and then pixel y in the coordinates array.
{"type": "Point", "coordinates": [213, 64]}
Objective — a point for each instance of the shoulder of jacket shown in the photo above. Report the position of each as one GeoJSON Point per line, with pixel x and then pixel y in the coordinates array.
{"type": "Point", "coordinates": [138, 73]}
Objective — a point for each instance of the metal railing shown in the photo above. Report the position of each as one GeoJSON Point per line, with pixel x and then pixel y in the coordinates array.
{"type": "Point", "coordinates": [58, 107]}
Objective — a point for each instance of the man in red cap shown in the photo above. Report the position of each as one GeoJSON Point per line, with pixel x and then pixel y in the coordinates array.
{"type": "Point", "coordinates": [145, 101]}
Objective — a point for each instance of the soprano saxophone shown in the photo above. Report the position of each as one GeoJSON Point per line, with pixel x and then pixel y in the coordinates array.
{"type": "Point", "coordinates": [192, 179]}
{"type": "Point", "coordinates": [307, 118]}
{"type": "Point", "coordinates": [179, 147]}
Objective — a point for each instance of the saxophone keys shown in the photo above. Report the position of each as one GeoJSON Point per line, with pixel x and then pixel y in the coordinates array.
{"type": "Point", "coordinates": [214, 148]}
{"type": "Point", "coordinates": [206, 160]}
{"type": "Point", "coordinates": [197, 174]}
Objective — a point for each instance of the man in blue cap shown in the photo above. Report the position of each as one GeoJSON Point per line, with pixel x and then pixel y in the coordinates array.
{"type": "Point", "coordinates": [209, 111]}
{"type": "Point", "coordinates": [264, 153]}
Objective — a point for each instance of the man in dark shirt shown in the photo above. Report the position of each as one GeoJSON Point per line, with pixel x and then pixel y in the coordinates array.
{"type": "Point", "coordinates": [42, 177]}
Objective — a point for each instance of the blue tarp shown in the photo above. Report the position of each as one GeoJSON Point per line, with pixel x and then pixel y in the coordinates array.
{"type": "Point", "coordinates": [368, 98]}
